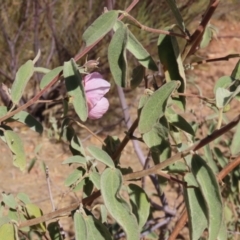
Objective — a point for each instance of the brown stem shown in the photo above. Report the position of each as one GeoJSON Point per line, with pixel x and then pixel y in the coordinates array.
{"type": "Point", "coordinates": [178, 156]}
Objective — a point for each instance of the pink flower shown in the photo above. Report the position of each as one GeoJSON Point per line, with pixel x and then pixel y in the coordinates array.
{"type": "Point", "coordinates": [95, 88]}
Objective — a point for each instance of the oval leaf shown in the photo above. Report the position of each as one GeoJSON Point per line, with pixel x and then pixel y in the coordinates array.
{"type": "Point", "coordinates": [170, 57]}
{"type": "Point", "coordinates": [173, 5]}
{"type": "Point", "coordinates": [196, 208]}
{"type": "Point", "coordinates": [9, 200]}
{"type": "Point", "coordinates": [73, 177]}
{"type": "Point", "coordinates": [155, 106]}
{"type": "Point", "coordinates": [210, 190]}
{"type": "Point", "coordinates": [29, 120]}
{"type": "Point", "coordinates": [235, 145]}
{"type": "Point", "coordinates": [111, 182]}
{"type": "Point", "coordinates": [101, 156]}
{"type": "Point", "coordinates": [95, 178]}
{"type": "Point", "coordinates": [50, 76]}
{"type": "Point", "coordinates": [74, 85]}
{"type": "Point", "coordinates": [96, 230]}
{"type": "Point", "coordinates": [15, 144]}
{"type": "Point", "coordinates": [75, 159]}
{"type": "Point", "coordinates": [117, 56]}
{"type": "Point", "coordinates": [80, 226]}
{"type": "Point", "coordinates": [140, 204]}
{"type": "Point", "coordinates": [100, 27]}
{"type": "Point", "coordinates": [23, 75]}
{"type": "Point", "coordinates": [7, 232]}
{"type": "Point", "coordinates": [33, 211]}
{"type": "Point", "coordinates": [137, 50]}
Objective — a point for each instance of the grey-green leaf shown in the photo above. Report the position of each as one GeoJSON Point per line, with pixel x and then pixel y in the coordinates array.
{"type": "Point", "coordinates": [138, 51]}
{"type": "Point", "coordinates": [75, 89]}
{"type": "Point", "coordinates": [50, 76]}
{"type": "Point", "coordinates": [140, 204]}
{"type": "Point", "coordinates": [7, 232]}
{"type": "Point", "coordinates": [100, 27]}
{"type": "Point", "coordinates": [29, 120]}
{"type": "Point", "coordinates": [222, 97]}
{"type": "Point", "coordinates": [157, 140]}
{"type": "Point", "coordinates": [76, 159]}
{"type": "Point", "coordinates": [80, 226]}
{"type": "Point", "coordinates": [96, 230]}
{"type": "Point", "coordinates": [155, 106]}
{"type": "Point", "coordinates": [9, 200]}
{"type": "Point", "coordinates": [178, 121]}
{"type": "Point", "coordinates": [73, 177]}
{"type": "Point", "coordinates": [235, 145]}
{"type": "Point", "coordinates": [95, 178]}
{"type": "Point", "coordinates": [101, 156]}
{"type": "Point", "coordinates": [111, 182]}
{"type": "Point", "coordinates": [196, 208]}
{"type": "Point", "coordinates": [170, 57]}
{"type": "Point", "coordinates": [137, 76]}
{"type": "Point", "coordinates": [23, 75]}
{"type": "Point", "coordinates": [222, 82]}
{"type": "Point", "coordinates": [173, 5]}
{"type": "Point", "coordinates": [117, 56]}
{"type": "Point", "coordinates": [210, 190]}
{"type": "Point", "coordinates": [15, 144]}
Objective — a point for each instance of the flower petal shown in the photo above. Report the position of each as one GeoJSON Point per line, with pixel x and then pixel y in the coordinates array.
{"type": "Point", "coordinates": [91, 76]}
{"type": "Point", "coordinates": [99, 109]}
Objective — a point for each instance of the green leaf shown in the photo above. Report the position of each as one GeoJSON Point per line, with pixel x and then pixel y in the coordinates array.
{"type": "Point", "coordinates": [15, 144]}
{"type": "Point", "coordinates": [179, 122]}
{"type": "Point", "coordinates": [209, 159]}
{"type": "Point", "coordinates": [222, 97]}
{"type": "Point", "coordinates": [137, 76]}
{"type": "Point", "coordinates": [220, 157]}
{"type": "Point", "coordinates": [23, 75]}
{"type": "Point", "coordinates": [170, 57]}
{"type": "Point", "coordinates": [96, 230]}
{"type": "Point", "coordinates": [100, 27]}
{"type": "Point", "coordinates": [80, 226]}
{"type": "Point", "coordinates": [23, 197]}
{"type": "Point", "coordinates": [155, 106]}
{"type": "Point", "coordinates": [50, 76]}
{"type": "Point", "coordinates": [140, 204]}
{"type": "Point", "coordinates": [17, 216]}
{"type": "Point", "coordinates": [101, 156]}
{"type": "Point", "coordinates": [77, 145]}
{"type": "Point", "coordinates": [138, 51]}
{"type": "Point", "coordinates": [103, 214]}
{"type": "Point", "coordinates": [3, 111]}
{"type": "Point", "coordinates": [157, 140]}
{"type": "Point", "coordinates": [196, 208]}
{"type": "Point", "coordinates": [76, 159]}
{"type": "Point", "coordinates": [210, 190]}
{"type": "Point", "coordinates": [235, 145]}
{"type": "Point", "coordinates": [207, 36]}
{"type": "Point", "coordinates": [54, 231]}
{"type": "Point", "coordinates": [41, 70]}
{"type": "Point", "coordinates": [73, 177]}
{"type": "Point", "coordinates": [7, 232]}
{"type": "Point", "coordinates": [236, 71]}
{"type": "Point", "coordinates": [25, 118]}
{"type": "Point", "coordinates": [33, 211]}
{"type": "Point", "coordinates": [95, 178]}
{"type": "Point", "coordinates": [117, 56]}
{"type": "Point", "coordinates": [9, 200]}
{"type": "Point", "coordinates": [111, 182]}
{"type": "Point", "coordinates": [222, 82]}
{"type": "Point", "coordinates": [172, 4]}
{"type": "Point", "coordinates": [75, 89]}
{"type": "Point", "coordinates": [29, 120]}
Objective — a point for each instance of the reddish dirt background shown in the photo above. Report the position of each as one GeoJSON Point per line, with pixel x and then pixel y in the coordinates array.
{"type": "Point", "coordinates": [53, 154]}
